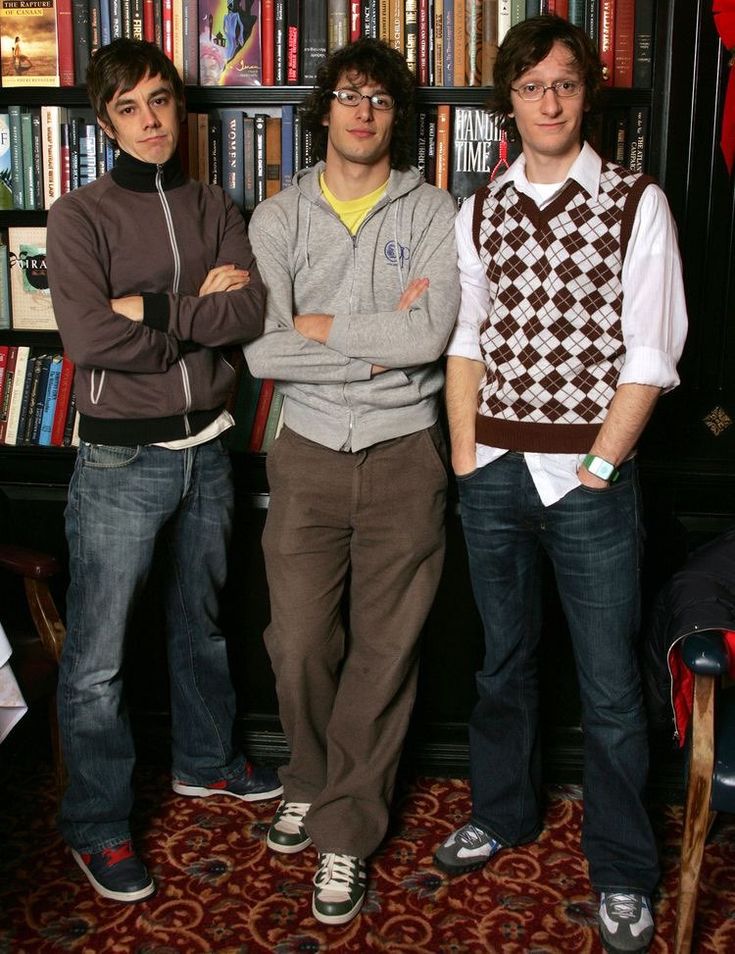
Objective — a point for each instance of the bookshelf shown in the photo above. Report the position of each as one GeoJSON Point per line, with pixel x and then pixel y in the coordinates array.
{"type": "Point", "coordinates": [688, 470]}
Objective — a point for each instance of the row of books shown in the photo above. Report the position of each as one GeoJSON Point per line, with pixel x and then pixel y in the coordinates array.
{"type": "Point", "coordinates": [37, 405]}
{"type": "Point", "coordinates": [258, 414]}
{"type": "Point", "coordinates": [283, 42]}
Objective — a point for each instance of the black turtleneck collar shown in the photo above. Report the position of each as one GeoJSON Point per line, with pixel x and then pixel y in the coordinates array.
{"type": "Point", "coordinates": [131, 173]}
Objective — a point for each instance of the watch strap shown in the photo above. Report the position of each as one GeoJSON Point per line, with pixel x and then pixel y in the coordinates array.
{"type": "Point", "coordinates": [601, 468]}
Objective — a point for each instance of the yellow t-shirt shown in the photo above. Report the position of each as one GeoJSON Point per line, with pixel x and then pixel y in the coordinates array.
{"type": "Point", "coordinates": [353, 212]}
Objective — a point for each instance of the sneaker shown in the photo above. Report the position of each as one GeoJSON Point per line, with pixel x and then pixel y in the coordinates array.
{"type": "Point", "coordinates": [466, 849]}
{"type": "Point", "coordinates": [116, 872]}
{"type": "Point", "coordinates": [626, 922]}
{"type": "Point", "coordinates": [287, 833]}
{"type": "Point", "coordinates": [254, 785]}
{"type": "Point", "coordinates": [340, 884]}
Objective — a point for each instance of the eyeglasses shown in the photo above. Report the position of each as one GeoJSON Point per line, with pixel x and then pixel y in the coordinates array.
{"type": "Point", "coordinates": [533, 92]}
{"type": "Point", "coordinates": [352, 97]}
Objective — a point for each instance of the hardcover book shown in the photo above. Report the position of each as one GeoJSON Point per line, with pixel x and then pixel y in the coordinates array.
{"type": "Point", "coordinates": [28, 42]}
{"type": "Point", "coordinates": [6, 180]}
{"type": "Point", "coordinates": [29, 291]}
{"type": "Point", "coordinates": [314, 41]}
{"type": "Point", "coordinates": [4, 287]}
{"type": "Point", "coordinates": [229, 43]}
{"type": "Point", "coordinates": [480, 151]}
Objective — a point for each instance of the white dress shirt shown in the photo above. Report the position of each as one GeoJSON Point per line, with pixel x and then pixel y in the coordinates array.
{"type": "Point", "coordinates": [654, 319]}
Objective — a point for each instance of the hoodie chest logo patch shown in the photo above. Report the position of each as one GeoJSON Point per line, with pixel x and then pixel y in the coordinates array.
{"type": "Point", "coordinates": [396, 254]}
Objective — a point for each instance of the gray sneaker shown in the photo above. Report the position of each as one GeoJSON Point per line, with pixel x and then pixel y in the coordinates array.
{"type": "Point", "coordinates": [287, 832]}
{"type": "Point", "coordinates": [466, 849]}
{"type": "Point", "coordinates": [340, 884]}
{"type": "Point", "coordinates": [625, 921]}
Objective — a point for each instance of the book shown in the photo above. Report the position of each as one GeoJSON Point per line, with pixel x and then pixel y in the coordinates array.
{"type": "Point", "coordinates": [517, 11]}
{"type": "Point", "coordinates": [80, 33]}
{"type": "Point", "coordinates": [439, 42]}
{"type": "Point", "coordinates": [504, 19]}
{"type": "Point", "coordinates": [232, 154]}
{"type": "Point", "coordinates": [293, 41]}
{"type": "Point", "coordinates": [37, 399]}
{"type": "Point", "coordinates": [8, 376]}
{"type": "Point", "coordinates": [449, 42]}
{"type": "Point", "coordinates": [17, 178]}
{"type": "Point", "coordinates": [460, 44]}
{"type": "Point", "coordinates": [267, 42]}
{"type": "Point", "coordinates": [272, 155]}
{"type": "Point", "coordinates": [473, 54]}
{"type": "Point", "coordinates": [50, 399]}
{"type": "Point", "coordinates": [6, 175]}
{"type": "Point", "coordinates": [5, 315]}
{"type": "Point", "coordinates": [37, 154]}
{"type": "Point", "coordinates": [592, 19]}
{"type": "Point", "coordinates": [489, 41]}
{"type": "Point", "coordinates": [229, 43]}
{"type": "Point", "coordinates": [370, 18]}
{"type": "Point", "coordinates": [356, 25]}
{"type": "Point", "coordinates": [71, 424]}
{"type": "Point", "coordinates": [443, 119]}
{"type": "Point", "coordinates": [411, 35]}
{"type": "Point", "coordinates": [29, 291]}
{"type": "Point", "coordinates": [287, 150]}
{"type": "Point", "coordinates": [25, 391]}
{"type": "Point", "coordinates": [30, 184]}
{"type": "Point", "coordinates": [424, 42]}
{"type": "Point", "coordinates": [65, 36]}
{"type": "Point", "coordinates": [279, 43]}
{"type": "Point", "coordinates": [606, 46]}
{"type": "Point", "coordinates": [203, 146]}
{"type": "Point", "coordinates": [637, 138]}
{"type": "Point", "coordinates": [623, 43]}
{"type": "Point", "coordinates": [643, 44]}
{"type": "Point", "coordinates": [259, 156]}
{"type": "Point", "coordinates": [4, 350]}
{"type": "Point", "coordinates": [66, 382]}
{"type": "Point", "coordinates": [480, 150]}
{"type": "Point", "coordinates": [313, 41]}
{"type": "Point", "coordinates": [338, 24]}
{"type": "Point", "coordinates": [190, 41]}
{"type": "Point", "coordinates": [260, 417]}
{"type": "Point", "coordinates": [15, 395]}
{"type": "Point", "coordinates": [51, 119]}
{"type": "Point", "coordinates": [28, 41]}
{"type": "Point", "coordinates": [248, 150]}
{"type": "Point", "coordinates": [105, 22]}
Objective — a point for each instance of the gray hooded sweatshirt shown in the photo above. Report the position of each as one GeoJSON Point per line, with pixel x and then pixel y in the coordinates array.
{"type": "Point", "coordinates": [311, 263]}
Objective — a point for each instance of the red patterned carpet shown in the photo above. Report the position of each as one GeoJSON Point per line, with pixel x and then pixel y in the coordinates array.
{"type": "Point", "coordinates": [220, 889]}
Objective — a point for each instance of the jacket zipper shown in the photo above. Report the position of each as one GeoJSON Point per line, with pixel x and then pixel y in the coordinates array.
{"type": "Point", "coordinates": [183, 370]}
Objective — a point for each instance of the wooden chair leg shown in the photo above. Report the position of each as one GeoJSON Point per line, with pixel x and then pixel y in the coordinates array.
{"type": "Point", "coordinates": [698, 817]}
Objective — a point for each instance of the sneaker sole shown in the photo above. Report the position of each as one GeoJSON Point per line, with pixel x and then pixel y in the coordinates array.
{"type": "Point", "coordinates": [287, 849]}
{"type": "Point", "coordinates": [619, 950]}
{"type": "Point", "coordinates": [336, 918]}
{"type": "Point", "coordinates": [460, 869]}
{"type": "Point", "coordinates": [130, 897]}
{"type": "Point", "coordinates": [198, 791]}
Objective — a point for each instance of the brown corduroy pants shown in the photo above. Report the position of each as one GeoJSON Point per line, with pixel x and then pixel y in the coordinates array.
{"type": "Point", "coordinates": [354, 546]}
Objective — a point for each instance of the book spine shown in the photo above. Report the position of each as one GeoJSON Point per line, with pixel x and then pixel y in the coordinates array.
{"type": "Point", "coordinates": [95, 38]}
{"type": "Point", "coordinates": [592, 19]}
{"type": "Point", "coordinates": [396, 25]}
{"type": "Point", "coordinates": [439, 42]}
{"type": "Point", "coordinates": [73, 134]}
{"type": "Point", "coordinates": [105, 22]}
{"type": "Point", "coordinates": [65, 39]}
{"type": "Point", "coordinates": [575, 13]}
{"type": "Point", "coordinates": [638, 138]}
{"type": "Point", "coordinates": [261, 416]}
{"type": "Point", "coordinates": [448, 43]}
{"type": "Point", "coordinates": [356, 22]}
{"type": "Point", "coordinates": [460, 43]}
{"type": "Point", "coordinates": [116, 19]}
{"type": "Point", "coordinates": [29, 172]}
{"type": "Point", "coordinates": [149, 20]}
{"type": "Point", "coordinates": [214, 142]}
{"type": "Point", "coordinates": [5, 318]}
{"type": "Point", "coordinates": [71, 421]}
{"type": "Point", "coordinates": [267, 41]}
{"type": "Point", "coordinates": [272, 155]}
{"type": "Point", "coordinates": [370, 18]}
{"type": "Point", "coordinates": [271, 424]}
{"type": "Point", "coordinates": [168, 28]}
{"type": "Point", "coordinates": [36, 140]}
{"type": "Point", "coordinates": [422, 143]}
{"type": "Point", "coordinates": [643, 44]}
{"type": "Point", "coordinates": [489, 40]}
{"type": "Point", "coordinates": [64, 158]}
{"type": "Point", "coordinates": [4, 349]}
{"type": "Point", "coordinates": [298, 141]}
{"type": "Point", "coordinates": [51, 145]}
{"type": "Point", "coordinates": [81, 40]}
{"type": "Point", "coordinates": [16, 156]}
{"type": "Point", "coordinates": [279, 43]}
{"type": "Point", "coordinates": [136, 19]}
{"type": "Point", "coordinates": [191, 41]}
{"type": "Point", "coordinates": [260, 171]}
{"type": "Point", "coordinates": [49, 403]}
{"type": "Point", "coordinates": [15, 398]}
{"type": "Point", "coordinates": [517, 11]}
{"type": "Point", "coordinates": [232, 154]}
{"type": "Point", "coordinates": [314, 37]}
{"type": "Point", "coordinates": [384, 20]}
{"type": "Point", "coordinates": [623, 43]}
{"type": "Point", "coordinates": [338, 24]}
{"type": "Point", "coordinates": [66, 379]}
{"type": "Point", "coordinates": [30, 389]}
{"type": "Point", "coordinates": [203, 146]}
{"type": "Point", "coordinates": [411, 35]}
{"type": "Point", "coordinates": [607, 40]}
{"type": "Point", "coordinates": [248, 152]}
{"type": "Point", "coordinates": [293, 42]}
{"type": "Point", "coordinates": [443, 121]}
{"type": "Point", "coordinates": [177, 34]}
{"type": "Point", "coordinates": [473, 20]}
{"type": "Point", "coordinates": [422, 28]}
{"type": "Point", "coordinates": [287, 150]}
{"type": "Point", "coordinates": [7, 391]}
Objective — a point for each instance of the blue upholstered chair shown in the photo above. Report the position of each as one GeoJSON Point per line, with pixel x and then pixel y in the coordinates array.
{"type": "Point", "coordinates": [711, 779]}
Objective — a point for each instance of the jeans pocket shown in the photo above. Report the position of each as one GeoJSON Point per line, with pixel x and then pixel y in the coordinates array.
{"type": "Point", "coordinates": [107, 456]}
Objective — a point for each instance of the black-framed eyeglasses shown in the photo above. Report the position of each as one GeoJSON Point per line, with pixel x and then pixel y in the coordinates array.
{"type": "Point", "coordinates": [533, 92]}
{"type": "Point", "coordinates": [353, 97]}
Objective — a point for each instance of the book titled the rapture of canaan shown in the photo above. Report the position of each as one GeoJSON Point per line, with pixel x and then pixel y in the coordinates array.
{"type": "Point", "coordinates": [28, 46]}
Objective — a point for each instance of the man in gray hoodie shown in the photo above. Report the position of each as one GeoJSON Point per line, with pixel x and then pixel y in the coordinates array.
{"type": "Point", "coordinates": [359, 260]}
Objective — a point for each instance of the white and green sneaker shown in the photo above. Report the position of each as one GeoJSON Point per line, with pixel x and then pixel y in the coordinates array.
{"type": "Point", "coordinates": [340, 884]}
{"type": "Point", "coordinates": [626, 922]}
{"type": "Point", "coordinates": [287, 832]}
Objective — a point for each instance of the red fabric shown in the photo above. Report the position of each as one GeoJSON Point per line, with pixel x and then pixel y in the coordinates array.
{"type": "Point", "coordinates": [724, 14]}
{"type": "Point", "coordinates": [682, 684]}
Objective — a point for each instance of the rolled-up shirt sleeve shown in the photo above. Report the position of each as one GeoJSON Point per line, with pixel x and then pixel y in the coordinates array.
{"type": "Point", "coordinates": [474, 287]}
{"type": "Point", "coordinates": [654, 316]}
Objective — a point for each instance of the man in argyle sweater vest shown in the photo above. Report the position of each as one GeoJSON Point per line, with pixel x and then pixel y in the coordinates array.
{"type": "Point", "coordinates": [571, 323]}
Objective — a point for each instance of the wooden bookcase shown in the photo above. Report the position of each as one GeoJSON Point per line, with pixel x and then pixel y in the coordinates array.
{"type": "Point", "coordinates": [688, 470]}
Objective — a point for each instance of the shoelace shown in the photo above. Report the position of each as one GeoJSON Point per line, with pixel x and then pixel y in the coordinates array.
{"type": "Point", "coordinates": [473, 837]}
{"type": "Point", "coordinates": [623, 907]}
{"type": "Point", "coordinates": [293, 814]}
{"type": "Point", "coordinates": [336, 872]}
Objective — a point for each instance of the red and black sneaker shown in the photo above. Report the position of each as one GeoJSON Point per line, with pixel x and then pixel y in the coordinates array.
{"type": "Point", "coordinates": [116, 872]}
{"type": "Point", "coordinates": [255, 784]}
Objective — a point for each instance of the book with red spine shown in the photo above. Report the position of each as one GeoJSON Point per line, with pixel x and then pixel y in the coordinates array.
{"type": "Point", "coordinates": [293, 41]}
{"type": "Point", "coordinates": [149, 21]}
{"type": "Point", "coordinates": [355, 20]}
{"type": "Point", "coordinates": [443, 123]}
{"type": "Point", "coordinates": [606, 46]}
{"type": "Point", "coordinates": [62, 402]}
{"type": "Point", "coordinates": [261, 416]}
{"type": "Point", "coordinates": [65, 39]}
{"type": "Point", "coordinates": [7, 394]}
{"type": "Point", "coordinates": [267, 40]}
{"type": "Point", "coordinates": [4, 351]}
{"type": "Point", "coordinates": [624, 43]}
{"type": "Point", "coordinates": [167, 7]}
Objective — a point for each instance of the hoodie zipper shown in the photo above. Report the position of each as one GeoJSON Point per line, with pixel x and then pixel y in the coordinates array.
{"type": "Point", "coordinates": [183, 370]}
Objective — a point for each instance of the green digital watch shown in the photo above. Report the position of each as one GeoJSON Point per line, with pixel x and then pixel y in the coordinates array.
{"type": "Point", "coordinates": [601, 468]}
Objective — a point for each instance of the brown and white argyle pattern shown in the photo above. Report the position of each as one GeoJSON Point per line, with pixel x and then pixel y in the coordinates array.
{"type": "Point", "coordinates": [552, 342]}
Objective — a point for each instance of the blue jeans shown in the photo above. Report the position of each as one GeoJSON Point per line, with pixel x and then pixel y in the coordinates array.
{"type": "Point", "coordinates": [593, 540]}
{"type": "Point", "coordinates": [122, 500]}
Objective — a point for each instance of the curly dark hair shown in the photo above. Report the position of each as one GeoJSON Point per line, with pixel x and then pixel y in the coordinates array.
{"type": "Point", "coordinates": [530, 42]}
{"type": "Point", "coordinates": [372, 60]}
{"type": "Point", "coordinates": [121, 65]}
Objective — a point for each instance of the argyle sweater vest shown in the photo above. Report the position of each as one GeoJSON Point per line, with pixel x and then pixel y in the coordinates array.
{"type": "Point", "coordinates": [552, 342]}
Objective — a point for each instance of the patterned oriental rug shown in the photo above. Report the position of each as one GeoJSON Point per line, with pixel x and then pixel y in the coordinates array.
{"type": "Point", "coordinates": [221, 889]}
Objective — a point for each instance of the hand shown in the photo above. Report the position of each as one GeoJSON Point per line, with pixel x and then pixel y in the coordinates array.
{"type": "Point", "coordinates": [224, 278]}
{"type": "Point", "coordinates": [131, 307]}
{"type": "Point", "coordinates": [412, 293]}
{"type": "Point", "coordinates": [464, 461]}
{"type": "Point", "coordinates": [590, 480]}
{"type": "Point", "coordinates": [314, 327]}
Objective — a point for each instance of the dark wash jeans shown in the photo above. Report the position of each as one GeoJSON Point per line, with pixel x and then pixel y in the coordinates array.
{"type": "Point", "coordinates": [593, 539]}
{"type": "Point", "coordinates": [121, 501]}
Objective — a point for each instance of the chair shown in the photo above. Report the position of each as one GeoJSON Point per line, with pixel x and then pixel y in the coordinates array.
{"type": "Point", "coordinates": [711, 781]}
{"type": "Point", "coordinates": [36, 652]}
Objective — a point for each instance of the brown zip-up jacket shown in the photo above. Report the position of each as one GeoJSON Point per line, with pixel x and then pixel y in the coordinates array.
{"type": "Point", "coordinates": [148, 230]}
